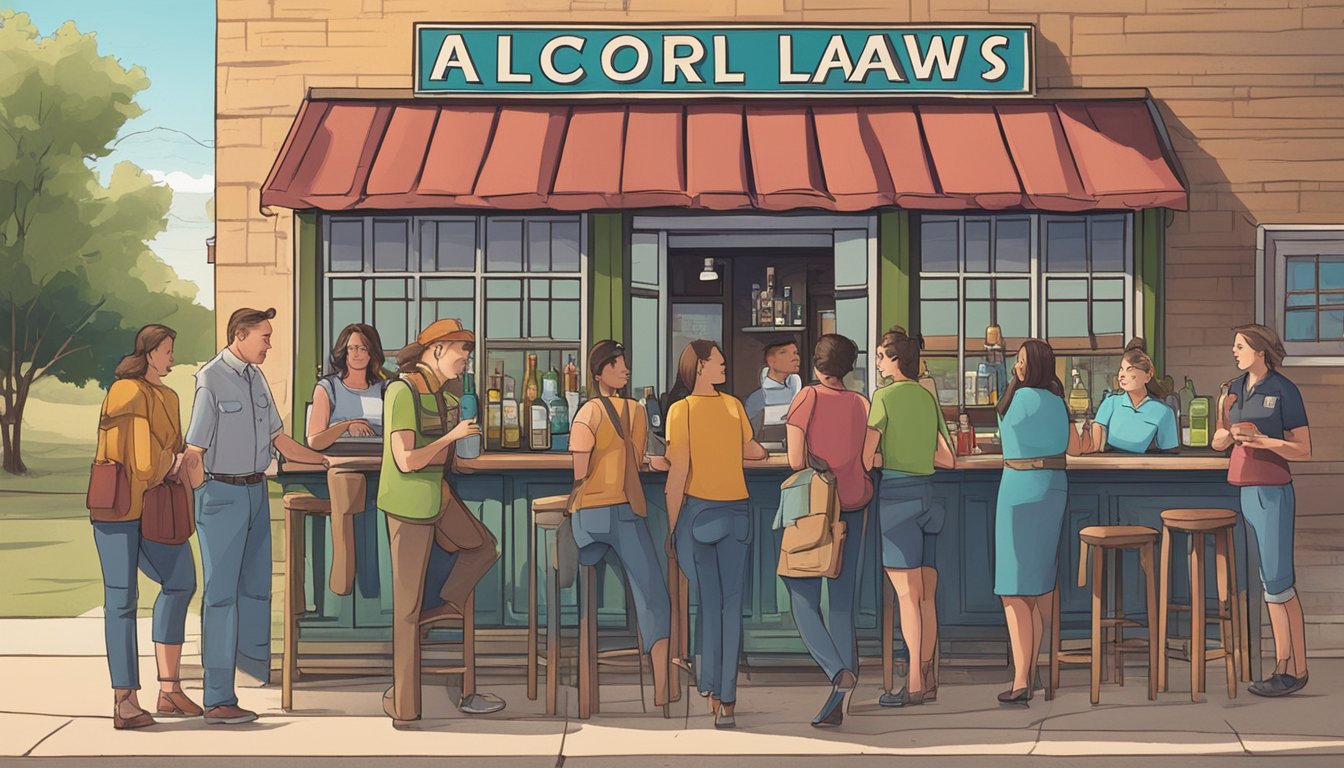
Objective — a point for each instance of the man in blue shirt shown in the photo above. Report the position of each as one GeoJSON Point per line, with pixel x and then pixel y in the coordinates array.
{"type": "Point", "coordinates": [234, 428]}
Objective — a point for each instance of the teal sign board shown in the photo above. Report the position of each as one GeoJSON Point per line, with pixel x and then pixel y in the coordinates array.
{"type": "Point", "coordinates": [548, 61]}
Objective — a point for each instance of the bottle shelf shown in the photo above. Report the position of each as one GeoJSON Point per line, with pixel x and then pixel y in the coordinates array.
{"type": "Point", "coordinates": [774, 328]}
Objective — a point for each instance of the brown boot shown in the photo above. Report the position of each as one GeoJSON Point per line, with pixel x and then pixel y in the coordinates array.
{"type": "Point", "coordinates": [126, 715]}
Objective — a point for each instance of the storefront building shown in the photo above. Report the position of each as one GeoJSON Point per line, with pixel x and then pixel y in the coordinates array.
{"type": "Point", "coordinates": [1084, 177]}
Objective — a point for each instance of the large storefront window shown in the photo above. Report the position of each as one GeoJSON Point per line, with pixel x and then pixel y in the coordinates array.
{"type": "Point", "coordinates": [517, 281]}
{"type": "Point", "coordinates": [1068, 279]}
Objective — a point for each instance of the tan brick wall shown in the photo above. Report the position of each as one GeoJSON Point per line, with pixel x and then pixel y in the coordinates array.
{"type": "Point", "coordinates": [1252, 92]}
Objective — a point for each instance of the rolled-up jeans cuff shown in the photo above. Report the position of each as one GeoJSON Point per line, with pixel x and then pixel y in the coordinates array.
{"type": "Point", "coordinates": [1281, 597]}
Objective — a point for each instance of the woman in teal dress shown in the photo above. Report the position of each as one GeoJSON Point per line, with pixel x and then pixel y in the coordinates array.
{"type": "Point", "coordinates": [1033, 495]}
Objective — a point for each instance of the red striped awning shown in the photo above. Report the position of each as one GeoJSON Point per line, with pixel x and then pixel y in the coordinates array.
{"type": "Point", "coordinates": [1044, 155]}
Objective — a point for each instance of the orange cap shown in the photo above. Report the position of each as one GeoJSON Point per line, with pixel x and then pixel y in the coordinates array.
{"type": "Point", "coordinates": [447, 329]}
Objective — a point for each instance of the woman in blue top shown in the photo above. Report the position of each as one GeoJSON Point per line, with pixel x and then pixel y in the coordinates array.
{"type": "Point", "coordinates": [1136, 418]}
{"type": "Point", "coordinates": [1033, 495]}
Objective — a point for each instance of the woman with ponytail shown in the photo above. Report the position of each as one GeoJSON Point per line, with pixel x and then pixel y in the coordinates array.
{"type": "Point", "coordinates": [1136, 419]}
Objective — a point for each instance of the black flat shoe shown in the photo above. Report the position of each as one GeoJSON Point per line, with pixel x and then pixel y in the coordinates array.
{"type": "Point", "coordinates": [1278, 685]}
{"type": "Point", "coordinates": [1019, 697]}
{"type": "Point", "coordinates": [832, 712]}
{"type": "Point", "coordinates": [902, 698]}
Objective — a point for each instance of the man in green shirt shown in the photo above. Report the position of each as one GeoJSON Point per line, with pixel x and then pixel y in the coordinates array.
{"type": "Point", "coordinates": [908, 438]}
{"type": "Point", "coordinates": [439, 550]}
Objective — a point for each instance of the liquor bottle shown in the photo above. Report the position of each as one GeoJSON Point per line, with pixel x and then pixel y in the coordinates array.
{"type": "Point", "coordinates": [965, 435]}
{"type": "Point", "coordinates": [653, 410]}
{"type": "Point", "coordinates": [494, 417]}
{"type": "Point", "coordinates": [797, 321]}
{"type": "Point", "coordinates": [1186, 395]}
{"type": "Point", "coordinates": [1200, 421]}
{"type": "Point", "coordinates": [557, 411]}
{"type": "Point", "coordinates": [1080, 402]}
{"type": "Point", "coordinates": [784, 307]}
{"type": "Point", "coordinates": [536, 417]}
{"type": "Point", "coordinates": [571, 380]}
{"type": "Point", "coordinates": [468, 408]}
{"type": "Point", "coordinates": [512, 432]}
{"type": "Point", "coordinates": [755, 304]}
{"type": "Point", "coordinates": [765, 312]}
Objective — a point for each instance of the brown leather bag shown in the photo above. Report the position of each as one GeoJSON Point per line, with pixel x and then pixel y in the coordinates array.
{"type": "Point", "coordinates": [109, 494]}
{"type": "Point", "coordinates": [165, 516]}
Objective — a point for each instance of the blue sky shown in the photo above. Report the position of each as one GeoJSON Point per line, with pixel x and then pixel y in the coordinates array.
{"type": "Point", "coordinates": [174, 41]}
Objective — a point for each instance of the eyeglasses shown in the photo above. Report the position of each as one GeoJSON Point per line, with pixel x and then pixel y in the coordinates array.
{"type": "Point", "coordinates": [357, 348]}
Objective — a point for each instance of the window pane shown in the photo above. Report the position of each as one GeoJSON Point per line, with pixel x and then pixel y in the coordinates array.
{"type": "Point", "coordinates": [977, 245]}
{"type": "Point", "coordinates": [503, 289]}
{"type": "Point", "coordinates": [539, 289]}
{"type": "Point", "coordinates": [1332, 273]}
{"type": "Point", "coordinates": [851, 257]}
{"type": "Point", "coordinates": [345, 312]}
{"type": "Point", "coordinates": [1331, 299]}
{"type": "Point", "coordinates": [503, 309]}
{"type": "Point", "coordinates": [538, 246]}
{"type": "Point", "coordinates": [977, 289]}
{"type": "Point", "coordinates": [1108, 289]}
{"type": "Point", "coordinates": [938, 245]}
{"type": "Point", "coordinates": [1066, 289]}
{"type": "Point", "coordinates": [1014, 288]}
{"type": "Point", "coordinates": [391, 240]}
{"type": "Point", "coordinates": [938, 318]}
{"type": "Point", "coordinates": [391, 288]}
{"type": "Point", "coordinates": [1066, 319]}
{"type": "Point", "coordinates": [851, 320]}
{"type": "Point", "coordinates": [348, 288]}
{"type": "Point", "coordinates": [447, 288]}
{"type": "Point", "coordinates": [1332, 325]}
{"type": "Point", "coordinates": [695, 321]}
{"type": "Point", "coordinates": [1108, 317]}
{"type": "Point", "coordinates": [461, 310]}
{"type": "Point", "coordinates": [504, 245]}
{"type": "Point", "coordinates": [977, 319]}
{"type": "Point", "coordinates": [1065, 245]}
{"type": "Point", "coordinates": [454, 246]}
{"type": "Point", "coordinates": [1015, 319]}
{"type": "Point", "coordinates": [565, 289]}
{"type": "Point", "coordinates": [565, 320]}
{"type": "Point", "coordinates": [938, 289]}
{"type": "Point", "coordinates": [1300, 325]}
{"type": "Point", "coordinates": [1302, 273]}
{"type": "Point", "coordinates": [539, 318]}
{"type": "Point", "coordinates": [857, 380]}
{"type": "Point", "coordinates": [1108, 244]}
{"type": "Point", "coordinates": [1301, 299]}
{"type": "Point", "coordinates": [946, 377]}
{"type": "Point", "coordinates": [644, 258]}
{"type": "Point", "coordinates": [1012, 245]}
{"type": "Point", "coordinates": [346, 249]}
{"type": "Point", "coordinates": [391, 307]}
{"type": "Point", "coordinates": [565, 246]}
{"type": "Point", "coordinates": [644, 357]}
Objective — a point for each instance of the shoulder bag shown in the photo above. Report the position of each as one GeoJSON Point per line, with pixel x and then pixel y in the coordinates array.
{"type": "Point", "coordinates": [166, 508]}
{"type": "Point", "coordinates": [814, 544]}
{"type": "Point", "coordinates": [109, 494]}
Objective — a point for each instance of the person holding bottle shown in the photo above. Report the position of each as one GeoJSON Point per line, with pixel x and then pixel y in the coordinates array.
{"type": "Point", "coordinates": [1033, 497]}
{"type": "Point", "coordinates": [907, 438]}
{"type": "Point", "coordinates": [141, 430]}
{"type": "Point", "coordinates": [607, 443]}
{"type": "Point", "coordinates": [708, 510]}
{"type": "Point", "coordinates": [1266, 427]}
{"type": "Point", "coordinates": [828, 424]}
{"type": "Point", "coordinates": [1136, 419]}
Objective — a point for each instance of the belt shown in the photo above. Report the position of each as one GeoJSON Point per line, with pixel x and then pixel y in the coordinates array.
{"type": "Point", "coordinates": [252, 479]}
{"type": "Point", "coordinates": [1045, 462]}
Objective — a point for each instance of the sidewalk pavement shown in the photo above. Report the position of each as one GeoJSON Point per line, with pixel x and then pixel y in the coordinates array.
{"type": "Point", "coordinates": [55, 704]}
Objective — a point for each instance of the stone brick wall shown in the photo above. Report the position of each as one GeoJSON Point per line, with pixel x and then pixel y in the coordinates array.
{"type": "Point", "coordinates": [1252, 92]}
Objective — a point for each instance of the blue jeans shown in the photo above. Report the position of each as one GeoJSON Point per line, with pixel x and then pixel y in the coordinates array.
{"type": "Point", "coordinates": [1269, 511]}
{"type": "Point", "coordinates": [233, 525]}
{"type": "Point", "coordinates": [617, 528]}
{"type": "Point", "coordinates": [122, 552]}
{"type": "Point", "coordinates": [712, 548]}
{"type": "Point", "coordinates": [832, 642]}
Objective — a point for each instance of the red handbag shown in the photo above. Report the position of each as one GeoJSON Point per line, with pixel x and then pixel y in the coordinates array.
{"type": "Point", "coordinates": [166, 518]}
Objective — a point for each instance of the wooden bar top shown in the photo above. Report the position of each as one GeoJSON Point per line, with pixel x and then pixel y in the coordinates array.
{"type": "Point", "coordinates": [526, 462]}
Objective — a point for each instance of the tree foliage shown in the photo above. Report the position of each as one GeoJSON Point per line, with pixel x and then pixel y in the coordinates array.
{"type": "Point", "coordinates": [77, 277]}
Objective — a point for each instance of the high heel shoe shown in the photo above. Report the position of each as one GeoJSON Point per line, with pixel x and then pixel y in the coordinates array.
{"type": "Point", "coordinates": [724, 719]}
{"type": "Point", "coordinates": [1017, 697]}
{"type": "Point", "coordinates": [832, 712]}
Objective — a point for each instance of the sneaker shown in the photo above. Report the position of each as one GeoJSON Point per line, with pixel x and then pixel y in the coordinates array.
{"type": "Point", "coordinates": [480, 704]}
{"type": "Point", "coordinates": [1278, 685]}
{"type": "Point", "coordinates": [228, 715]}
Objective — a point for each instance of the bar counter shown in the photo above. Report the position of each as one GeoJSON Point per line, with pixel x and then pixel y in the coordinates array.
{"type": "Point", "coordinates": [1104, 489]}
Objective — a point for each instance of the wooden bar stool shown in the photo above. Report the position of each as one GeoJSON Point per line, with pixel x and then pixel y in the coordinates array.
{"type": "Point", "coordinates": [1098, 541]}
{"type": "Point", "coordinates": [298, 506]}
{"type": "Point", "coordinates": [1196, 523]}
{"type": "Point", "coordinates": [889, 665]}
{"type": "Point", "coordinates": [467, 666]}
{"type": "Point", "coordinates": [547, 514]}
{"type": "Point", "coordinates": [591, 658]}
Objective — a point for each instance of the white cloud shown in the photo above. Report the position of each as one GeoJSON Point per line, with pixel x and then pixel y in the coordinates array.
{"type": "Point", "coordinates": [184, 182]}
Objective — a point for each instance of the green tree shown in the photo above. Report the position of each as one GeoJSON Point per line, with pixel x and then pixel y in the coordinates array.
{"type": "Point", "coordinates": [77, 277]}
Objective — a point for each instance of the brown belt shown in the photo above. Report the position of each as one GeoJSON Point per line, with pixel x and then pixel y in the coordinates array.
{"type": "Point", "coordinates": [251, 479]}
{"type": "Point", "coordinates": [1045, 462]}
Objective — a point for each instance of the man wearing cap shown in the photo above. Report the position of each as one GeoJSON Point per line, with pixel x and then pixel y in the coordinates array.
{"type": "Point", "coordinates": [234, 430]}
{"type": "Point", "coordinates": [439, 550]}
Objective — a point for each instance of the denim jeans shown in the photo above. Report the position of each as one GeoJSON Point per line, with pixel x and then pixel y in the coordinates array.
{"type": "Point", "coordinates": [121, 553]}
{"type": "Point", "coordinates": [832, 642]}
{"type": "Point", "coordinates": [619, 529]}
{"type": "Point", "coordinates": [712, 549]}
{"type": "Point", "coordinates": [233, 525]}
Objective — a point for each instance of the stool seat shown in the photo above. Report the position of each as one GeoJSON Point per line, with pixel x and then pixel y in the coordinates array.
{"type": "Point", "coordinates": [1118, 535]}
{"type": "Point", "coordinates": [307, 503]}
{"type": "Point", "coordinates": [1199, 519]}
{"type": "Point", "coordinates": [547, 520]}
{"type": "Point", "coordinates": [550, 504]}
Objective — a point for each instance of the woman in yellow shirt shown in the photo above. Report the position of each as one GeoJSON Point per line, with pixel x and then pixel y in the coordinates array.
{"type": "Point", "coordinates": [140, 429]}
{"type": "Point", "coordinates": [708, 438]}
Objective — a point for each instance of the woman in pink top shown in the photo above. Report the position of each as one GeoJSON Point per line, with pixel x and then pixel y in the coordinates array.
{"type": "Point", "coordinates": [829, 422]}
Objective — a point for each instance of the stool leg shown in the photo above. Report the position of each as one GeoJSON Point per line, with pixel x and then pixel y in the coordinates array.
{"type": "Point", "coordinates": [1239, 630]}
{"type": "Point", "coordinates": [1098, 570]}
{"type": "Point", "coordinates": [532, 615]}
{"type": "Point", "coordinates": [552, 640]}
{"type": "Point", "coordinates": [888, 635]}
{"type": "Point", "coordinates": [676, 630]}
{"type": "Point", "coordinates": [469, 646]}
{"type": "Point", "coordinates": [1150, 581]}
{"type": "Point", "coordinates": [1226, 596]}
{"type": "Point", "coordinates": [1118, 612]}
{"type": "Point", "coordinates": [1197, 616]}
{"type": "Point", "coordinates": [293, 603]}
{"type": "Point", "coordinates": [1054, 644]}
{"type": "Point", "coordinates": [595, 695]}
{"type": "Point", "coordinates": [586, 660]}
{"type": "Point", "coordinates": [1163, 608]}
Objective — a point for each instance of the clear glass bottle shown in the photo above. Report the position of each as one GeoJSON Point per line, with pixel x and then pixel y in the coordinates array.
{"type": "Point", "coordinates": [765, 312]}
{"type": "Point", "coordinates": [1080, 401]}
{"type": "Point", "coordinates": [512, 437]}
{"type": "Point", "coordinates": [784, 312]}
{"type": "Point", "coordinates": [494, 418]}
{"type": "Point", "coordinates": [557, 411]}
{"type": "Point", "coordinates": [536, 419]}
